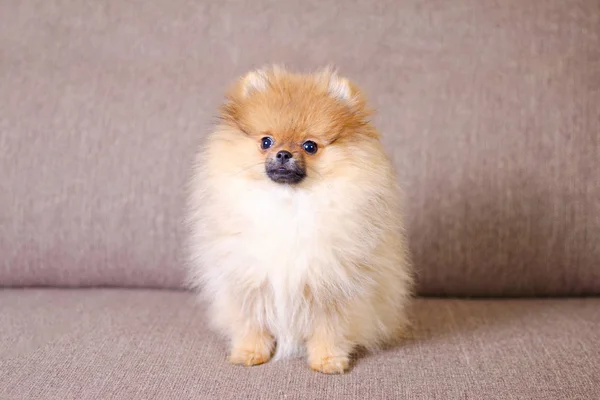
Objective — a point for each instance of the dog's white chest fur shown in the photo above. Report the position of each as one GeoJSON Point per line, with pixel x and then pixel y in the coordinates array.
{"type": "Point", "coordinates": [279, 256]}
{"type": "Point", "coordinates": [281, 229]}
{"type": "Point", "coordinates": [281, 246]}
{"type": "Point", "coordinates": [284, 224]}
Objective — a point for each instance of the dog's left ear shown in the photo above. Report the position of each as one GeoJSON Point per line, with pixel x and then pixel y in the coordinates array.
{"type": "Point", "coordinates": [341, 88]}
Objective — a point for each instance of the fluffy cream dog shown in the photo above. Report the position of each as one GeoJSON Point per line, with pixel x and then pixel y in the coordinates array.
{"type": "Point", "coordinates": [297, 236]}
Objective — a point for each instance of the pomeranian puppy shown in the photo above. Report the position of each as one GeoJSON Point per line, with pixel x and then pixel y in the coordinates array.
{"type": "Point", "coordinates": [297, 238]}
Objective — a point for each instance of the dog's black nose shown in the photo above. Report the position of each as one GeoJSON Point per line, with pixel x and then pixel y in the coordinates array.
{"type": "Point", "coordinates": [283, 156]}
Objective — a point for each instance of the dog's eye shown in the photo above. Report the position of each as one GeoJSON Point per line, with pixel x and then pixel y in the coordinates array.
{"type": "Point", "coordinates": [266, 142]}
{"type": "Point", "coordinates": [310, 147]}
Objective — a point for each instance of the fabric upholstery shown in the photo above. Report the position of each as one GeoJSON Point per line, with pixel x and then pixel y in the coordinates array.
{"type": "Point", "coordinates": [134, 344]}
{"type": "Point", "coordinates": [488, 108]}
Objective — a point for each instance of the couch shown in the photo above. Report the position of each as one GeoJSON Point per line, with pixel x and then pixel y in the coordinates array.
{"type": "Point", "coordinates": [490, 111]}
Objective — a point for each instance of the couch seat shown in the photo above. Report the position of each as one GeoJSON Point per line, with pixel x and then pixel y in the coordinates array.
{"type": "Point", "coordinates": [143, 344]}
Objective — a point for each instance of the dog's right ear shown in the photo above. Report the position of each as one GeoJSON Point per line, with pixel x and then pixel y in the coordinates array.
{"type": "Point", "coordinates": [254, 81]}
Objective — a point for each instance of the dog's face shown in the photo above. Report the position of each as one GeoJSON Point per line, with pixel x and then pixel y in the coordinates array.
{"type": "Point", "coordinates": [297, 128]}
{"type": "Point", "coordinates": [285, 163]}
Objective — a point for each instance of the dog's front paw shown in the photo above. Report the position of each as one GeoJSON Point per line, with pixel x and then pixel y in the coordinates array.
{"type": "Point", "coordinates": [252, 349]}
{"type": "Point", "coordinates": [249, 357]}
{"type": "Point", "coordinates": [330, 364]}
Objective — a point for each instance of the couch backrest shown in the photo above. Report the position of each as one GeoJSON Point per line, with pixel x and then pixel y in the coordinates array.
{"type": "Point", "coordinates": [490, 110]}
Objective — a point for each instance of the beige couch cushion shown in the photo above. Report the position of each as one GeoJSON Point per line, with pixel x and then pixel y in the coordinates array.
{"type": "Point", "coordinates": [119, 344]}
{"type": "Point", "coordinates": [489, 109]}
